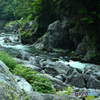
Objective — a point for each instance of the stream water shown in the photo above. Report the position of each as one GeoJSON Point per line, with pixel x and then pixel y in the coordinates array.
{"type": "Point", "coordinates": [14, 46]}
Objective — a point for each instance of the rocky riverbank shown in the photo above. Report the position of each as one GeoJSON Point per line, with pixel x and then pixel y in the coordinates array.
{"type": "Point", "coordinates": [61, 73]}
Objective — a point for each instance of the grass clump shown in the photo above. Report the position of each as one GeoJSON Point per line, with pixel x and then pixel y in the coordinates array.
{"type": "Point", "coordinates": [8, 60]}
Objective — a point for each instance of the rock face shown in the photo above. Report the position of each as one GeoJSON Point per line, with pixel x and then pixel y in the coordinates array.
{"type": "Point", "coordinates": [7, 77]}
{"type": "Point", "coordinates": [8, 85]}
{"type": "Point", "coordinates": [57, 36]}
{"type": "Point", "coordinates": [23, 84]}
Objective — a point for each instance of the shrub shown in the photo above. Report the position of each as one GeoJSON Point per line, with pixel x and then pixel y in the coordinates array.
{"type": "Point", "coordinates": [42, 84]}
{"type": "Point", "coordinates": [8, 60]}
{"type": "Point", "coordinates": [39, 83]}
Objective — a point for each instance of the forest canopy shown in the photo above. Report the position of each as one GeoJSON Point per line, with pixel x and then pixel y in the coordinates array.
{"type": "Point", "coordinates": [87, 12]}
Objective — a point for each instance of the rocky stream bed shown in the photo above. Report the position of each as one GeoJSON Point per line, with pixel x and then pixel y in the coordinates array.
{"type": "Point", "coordinates": [61, 70]}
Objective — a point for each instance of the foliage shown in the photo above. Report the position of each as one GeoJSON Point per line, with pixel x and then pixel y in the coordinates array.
{"type": "Point", "coordinates": [11, 23]}
{"type": "Point", "coordinates": [8, 60]}
{"type": "Point", "coordinates": [29, 17]}
{"type": "Point", "coordinates": [68, 90]}
{"type": "Point", "coordinates": [89, 98]}
{"type": "Point", "coordinates": [39, 83]}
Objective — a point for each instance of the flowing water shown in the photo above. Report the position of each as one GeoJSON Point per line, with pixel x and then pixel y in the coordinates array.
{"type": "Point", "coordinates": [14, 46]}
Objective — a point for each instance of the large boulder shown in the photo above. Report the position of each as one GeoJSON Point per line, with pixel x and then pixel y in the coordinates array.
{"type": "Point", "coordinates": [75, 79]}
{"type": "Point", "coordinates": [92, 79]}
{"type": "Point", "coordinates": [8, 86]}
{"type": "Point", "coordinates": [7, 77]}
{"type": "Point", "coordinates": [11, 27]}
{"type": "Point", "coordinates": [54, 68]}
{"type": "Point", "coordinates": [57, 36]}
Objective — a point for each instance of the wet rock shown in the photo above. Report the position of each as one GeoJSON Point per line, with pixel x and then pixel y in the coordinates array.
{"type": "Point", "coordinates": [7, 40]}
{"type": "Point", "coordinates": [23, 55]}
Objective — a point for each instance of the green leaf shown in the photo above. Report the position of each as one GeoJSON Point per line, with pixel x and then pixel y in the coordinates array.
{"type": "Point", "coordinates": [84, 19]}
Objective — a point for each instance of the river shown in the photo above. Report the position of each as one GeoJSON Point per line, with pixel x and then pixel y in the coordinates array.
{"type": "Point", "coordinates": [9, 42]}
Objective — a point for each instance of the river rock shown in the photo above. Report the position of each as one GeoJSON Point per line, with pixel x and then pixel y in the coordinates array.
{"type": "Point", "coordinates": [65, 97]}
{"type": "Point", "coordinates": [58, 84]}
{"type": "Point", "coordinates": [35, 60]}
{"type": "Point", "coordinates": [35, 96]}
{"type": "Point", "coordinates": [54, 68]}
{"type": "Point", "coordinates": [92, 79]}
{"type": "Point", "coordinates": [23, 55]}
{"type": "Point", "coordinates": [75, 79]}
{"type": "Point", "coordinates": [7, 40]}
{"type": "Point", "coordinates": [48, 96]}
